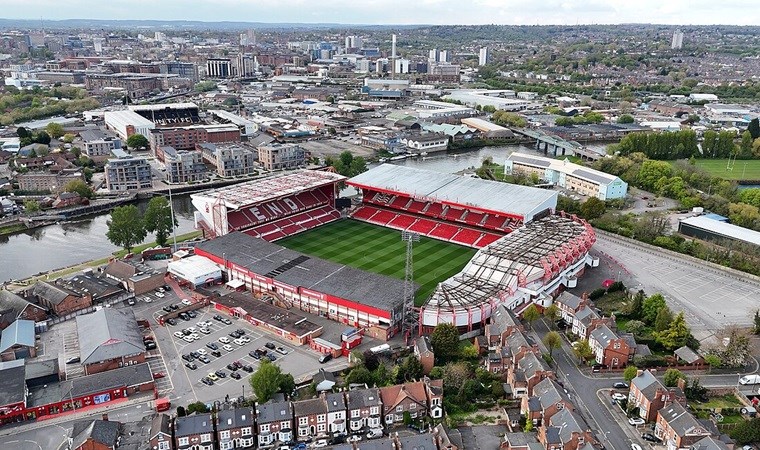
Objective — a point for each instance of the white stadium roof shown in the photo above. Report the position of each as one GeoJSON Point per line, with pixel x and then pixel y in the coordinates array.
{"type": "Point", "coordinates": [489, 196]}
{"type": "Point", "coordinates": [270, 188]}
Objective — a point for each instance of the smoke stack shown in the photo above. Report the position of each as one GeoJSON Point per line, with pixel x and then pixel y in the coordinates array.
{"type": "Point", "coordinates": [393, 48]}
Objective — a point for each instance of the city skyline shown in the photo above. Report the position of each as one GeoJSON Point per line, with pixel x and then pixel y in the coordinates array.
{"type": "Point", "coordinates": [392, 12]}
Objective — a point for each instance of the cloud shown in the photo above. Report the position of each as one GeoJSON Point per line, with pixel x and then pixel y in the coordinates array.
{"type": "Point", "coordinates": [510, 12]}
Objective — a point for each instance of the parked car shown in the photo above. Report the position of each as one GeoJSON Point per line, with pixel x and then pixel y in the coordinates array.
{"type": "Point", "coordinates": [201, 351]}
{"type": "Point", "coordinates": [239, 342]}
{"type": "Point", "coordinates": [221, 374]}
{"type": "Point", "coordinates": [212, 376]}
{"type": "Point", "coordinates": [231, 367]}
{"type": "Point", "coordinates": [224, 340]}
{"type": "Point", "coordinates": [216, 353]}
{"type": "Point", "coordinates": [207, 381]}
{"type": "Point", "coordinates": [649, 437]}
{"type": "Point", "coordinates": [167, 308]}
{"type": "Point", "coordinates": [205, 330]}
{"type": "Point", "coordinates": [186, 302]}
{"type": "Point", "coordinates": [204, 359]}
{"type": "Point", "coordinates": [157, 375]}
{"type": "Point", "coordinates": [192, 314]}
{"type": "Point", "coordinates": [178, 334]}
{"type": "Point", "coordinates": [270, 346]}
{"type": "Point", "coordinates": [324, 358]}
{"type": "Point", "coordinates": [272, 357]}
{"type": "Point", "coordinates": [173, 307]}
{"type": "Point", "coordinates": [375, 433]}
{"type": "Point", "coordinates": [228, 347]}
{"type": "Point", "coordinates": [617, 396]}
{"type": "Point", "coordinates": [160, 295]}
{"type": "Point", "coordinates": [131, 302]}
{"type": "Point", "coordinates": [254, 355]}
{"type": "Point", "coordinates": [281, 350]}
{"type": "Point", "coordinates": [150, 345]}
{"type": "Point", "coordinates": [195, 354]}
{"type": "Point", "coordinates": [635, 447]}
{"type": "Point", "coordinates": [226, 321]}
{"type": "Point", "coordinates": [172, 321]}
{"type": "Point", "coordinates": [240, 331]}
{"type": "Point", "coordinates": [217, 317]}
{"type": "Point", "coordinates": [248, 368]}
{"type": "Point", "coordinates": [236, 375]}
{"type": "Point", "coordinates": [355, 438]}
{"type": "Point", "coordinates": [636, 421]}
{"type": "Point", "coordinates": [620, 385]}
{"type": "Point", "coordinates": [750, 379]}
{"type": "Point", "coordinates": [73, 360]}
{"type": "Point", "coordinates": [147, 299]}
{"type": "Point", "coordinates": [212, 346]}
{"type": "Point", "coordinates": [320, 443]}
{"type": "Point", "coordinates": [191, 365]}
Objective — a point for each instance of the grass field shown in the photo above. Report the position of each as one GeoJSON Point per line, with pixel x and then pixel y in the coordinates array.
{"type": "Point", "coordinates": [380, 250]}
{"type": "Point", "coordinates": [742, 169]}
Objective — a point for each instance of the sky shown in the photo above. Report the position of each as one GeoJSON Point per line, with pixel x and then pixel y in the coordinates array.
{"type": "Point", "coordinates": [392, 12]}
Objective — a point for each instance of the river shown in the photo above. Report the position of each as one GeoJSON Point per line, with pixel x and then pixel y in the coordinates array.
{"type": "Point", "coordinates": [65, 244]}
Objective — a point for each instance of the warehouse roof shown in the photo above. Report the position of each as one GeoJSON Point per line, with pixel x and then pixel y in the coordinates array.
{"type": "Point", "coordinates": [723, 229]}
{"type": "Point", "coordinates": [20, 332]}
{"type": "Point", "coordinates": [107, 334]}
{"type": "Point", "coordinates": [486, 195]}
{"type": "Point", "coordinates": [277, 262]}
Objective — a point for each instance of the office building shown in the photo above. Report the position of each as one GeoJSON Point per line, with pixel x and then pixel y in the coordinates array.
{"type": "Point", "coordinates": [677, 42]}
{"type": "Point", "coordinates": [127, 173]}
{"type": "Point", "coordinates": [281, 156]}
{"type": "Point", "coordinates": [183, 166]}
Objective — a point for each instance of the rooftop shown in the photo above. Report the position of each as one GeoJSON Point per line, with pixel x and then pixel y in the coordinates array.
{"type": "Point", "coordinates": [284, 319]}
{"type": "Point", "coordinates": [12, 385]}
{"type": "Point", "coordinates": [724, 229]}
{"type": "Point", "coordinates": [193, 424]}
{"type": "Point", "coordinates": [564, 166]}
{"type": "Point", "coordinates": [107, 334]}
{"type": "Point", "coordinates": [489, 196]}
{"type": "Point", "coordinates": [20, 332]}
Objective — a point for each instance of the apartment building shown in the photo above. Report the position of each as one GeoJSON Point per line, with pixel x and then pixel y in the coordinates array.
{"type": "Point", "coordinates": [127, 173]}
{"type": "Point", "coordinates": [229, 159]}
{"type": "Point", "coordinates": [96, 143]}
{"type": "Point", "coordinates": [187, 137]}
{"type": "Point", "coordinates": [183, 166]}
{"type": "Point", "coordinates": [281, 156]}
{"type": "Point", "coordinates": [47, 182]}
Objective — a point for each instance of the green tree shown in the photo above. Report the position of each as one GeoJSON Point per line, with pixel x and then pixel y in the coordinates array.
{"type": "Point", "coordinates": [552, 314]}
{"type": "Point", "coordinates": [552, 341]}
{"type": "Point", "coordinates": [625, 118]}
{"type": "Point", "coordinates": [358, 165]}
{"type": "Point", "coordinates": [663, 319]}
{"type": "Point", "coordinates": [55, 130]}
{"type": "Point", "coordinates": [68, 138]}
{"type": "Point", "coordinates": [651, 307]}
{"type": "Point", "coordinates": [445, 341]}
{"type": "Point", "coordinates": [630, 373]}
{"type": "Point", "coordinates": [671, 377]}
{"type": "Point", "coordinates": [745, 147]}
{"type": "Point", "coordinates": [583, 351]}
{"type": "Point", "coordinates": [76, 151]}
{"type": "Point", "coordinates": [196, 407]}
{"type": "Point", "coordinates": [42, 138]}
{"type": "Point", "coordinates": [712, 361]}
{"type": "Point", "coordinates": [359, 375]}
{"type": "Point", "coordinates": [531, 314]}
{"type": "Point", "coordinates": [454, 376]}
{"type": "Point", "coordinates": [80, 187]}
{"type": "Point", "coordinates": [635, 327]}
{"type": "Point", "coordinates": [753, 128]}
{"type": "Point", "coordinates": [756, 321]}
{"type": "Point", "coordinates": [436, 373]}
{"type": "Point", "coordinates": [636, 307]}
{"type": "Point", "coordinates": [181, 411]}
{"type": "Point", "coordinates": [205, 86]}
{"type": "Point", "coordinates": [470, 352]}
{"type": "Point", "coordinates": [677, 335]}
{"type": "Point", "coordinates": [410, 369]}
{"type": "Point", "coordinates": [268, 380]}
{"type": "Point", "coordinates": [158, 218]}
{"type": "Point", "coordinates": [23, 132]}
{"type": "Point", "coordinates": [31, 206]}
{"type": "Point", "coordinates": [592, 208]}
{"type": "Point", "coordinates": [125, 228]}
{"type": "Point", "coordinates": [137, 141]}
{"type": "Point", "coordinates": [747, 431]}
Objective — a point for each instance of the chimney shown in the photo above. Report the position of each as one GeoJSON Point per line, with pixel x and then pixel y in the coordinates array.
{"type": "Point", "coordinates": [681, 384]}
{"type": "Point", "coordinates": [105, 417]}
{"type": "Point", "coordinates": [584, 296]}
{"type": "Point", "coordinates": [639, 372]}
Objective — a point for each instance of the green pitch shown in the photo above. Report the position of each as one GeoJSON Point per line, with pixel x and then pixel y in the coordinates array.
{"type": "Point", "coordinates": [740, 169]}
{"type": "Point", "coordinates": [380, 250]}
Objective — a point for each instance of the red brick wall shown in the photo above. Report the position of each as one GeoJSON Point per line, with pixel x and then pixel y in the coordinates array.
{"type": "Point", "coordinates": [113, 364]}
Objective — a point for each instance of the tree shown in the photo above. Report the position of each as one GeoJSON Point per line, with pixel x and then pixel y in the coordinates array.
{"type": "Point", "coordinates": [531, 314]}
{"type": "Point", "coordinates": [552, 314]}
{"type": "Point", "coordinates": [445, 341]}
{"type": "Point", "coordinates": [753, 128]}
{"type": "Point", "coordinates": [552, 340]}
{"type": "Point", "coordinates": [158, 218]}
{"type": "Point", "coordinates": [712, 361]}
{"type": "Point", "coordinates": [42, 138]}
{"type": "Point", "coordinates": [651, 307]}
{"type": "Point", "coordinates": [746, 431]}
{"type": "Point", "coordinates": [630, 373]}
{"type": "Point", "coordinates": [80, 187]}
{"type": "Point", "coordinates": [663, 319]}
{"type": "Point", "coordinates": [454, 377]}
{"type": "Point", "coordinates": [181, 411]}
{"type": "Point", "coordinates": [205, 86]}
{"type": "Point", "coordinates": [677, 334]}
{"type": "Point", "coordinates": [125, 228]}
{"type": "Point", "coordinates": [137, 141]}
{"type": "Point", "coordinates": [635, 327]}
{"type": "Point", "coordinates": [196, 407]}
{"type": "Point", "coordinates": [31, 206]}
{"type": "Point", "coordinates": [592, 208]}
{"type": "Point", "coordinates": [625, 118]}
{"type": "Point", "coordinates": [358, 165]}
{"type": "Point", "coordinates": [736, 350]}
{"type": "Point", "coordinates": [359, 375]}
{"type": "Point", "coordinates": [23, 133]}
{"type": "Point", "coordinates": [635, 308]}
{"type": "Point", "coordinates": [757, 322]}
{"type": "Point", "coordinates": [583, 351]}
{"type": "Point", "coordinates": [410, 369]}
{"type": "Point", "coordinates": [68, 138]}
{"type": "Point", "coordinates": [55, 130]}
{"type": "Point", "coordinates": [671, 377]}
{"type": "Point", "coordinates": [268, 380]}
{"type": "Point", "coordinates": [470, 352]}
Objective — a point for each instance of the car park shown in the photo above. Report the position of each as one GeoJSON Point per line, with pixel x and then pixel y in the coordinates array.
{"type": "Point", "coordinates": [620, 385]}
{"type": "Point", "coordinates": [212, 346]}
{"type": "Point", "coordinates": [236, 375]}
{"type": "Point", "coordinates": [281, 350]}
{"type": "Point", "coordinates": [228, 347]}
{"type": "Point", "coordinates": [191, 365]}
{"type": "Point", "coordinates": [636, 421]}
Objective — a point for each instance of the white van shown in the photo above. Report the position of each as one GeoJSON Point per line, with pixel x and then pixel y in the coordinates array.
{"type": "Point", "coordinates": [750, 379]}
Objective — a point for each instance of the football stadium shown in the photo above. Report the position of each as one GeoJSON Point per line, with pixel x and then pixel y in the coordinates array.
{"type": "Point", "coordinates": [482, 244]}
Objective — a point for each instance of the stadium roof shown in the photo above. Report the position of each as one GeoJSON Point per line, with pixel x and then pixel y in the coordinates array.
{"type": "Point", "coordinates": [723, 229]}
{"type": "Point", "coordinates": [270, 188]}
{"type": "Point", "coordinates": [163, 106]}
{"type": "Point", "coordinates": [128, 117]}
{"type": "Point", "coordinates": [490, 196]}
{"type": "Point", "coordinates": [495, 267]}
{"type": "Point", "coordinates": [272, 260]}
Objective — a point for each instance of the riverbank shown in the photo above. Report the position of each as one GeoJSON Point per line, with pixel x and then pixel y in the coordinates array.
{"type": "Point", "coordinates": [65, 271]}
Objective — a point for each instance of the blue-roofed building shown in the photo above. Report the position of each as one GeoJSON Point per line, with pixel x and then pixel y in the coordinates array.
{"type": "Point", "coordinates": [17, 341]}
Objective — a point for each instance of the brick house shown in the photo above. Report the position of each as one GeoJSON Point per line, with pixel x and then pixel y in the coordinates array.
{"type": "Point", "coordinates": [586, 320]}
{"type": "Point", "coordinates": [520, 441]}
{"type": "Point", "coordinates": [310, 418]}
{"type": "Point", "coordinates": [419, 399]}
{"type": "Point", "coordinates": [710, 443]}
{"type": "Point", "coordinates": [94, 435]}
{"type": "Point", "coordinates": [650, 396]}
{"type": "Point", "coordinates": [364, 408]}
{"type": "Point", "coordinates": [234, 428]}
{"type": "Point", "coordinates": [569, 304]}
{"type": "Point", "coordinates": [14, 307]}
{"type": "Point", "coordinates": [434, 391]}
{"type": "Point", "coordinates": [194, 432]}
{"type": "Point", "coordinates": [274, 422]}
{"type": "Point", "coordinates": [109, 339]}
{"type": "Point", "coordinates": [424, 352]}
{"type": "Point", "coordinates": [134, 276]}
{"type": "Point", "coordinates": [610, 349]}
{"type": "Point", "coordinates": [502, 324]}
{"type": "Point", "coordinates": [530, 370]}
{"type": "Point", "coordinates": [566, 430]}
{"type": "Point", "coordinates": [548, 399]}
{"type": "Point", "coordinates": [160, 437]}
{"type": "Point", "coordinates": [498, 361]}
{"type": "Point", "coordinates": [689, 356]}
{"type": "Point", "coordinates": [336, 412]}
{"type": "Point", "coordinates": [519, 345]}
{"type": "Point", "coordinates": [678, 428]}
{"type": "Point", "coordinates": [57, 299]}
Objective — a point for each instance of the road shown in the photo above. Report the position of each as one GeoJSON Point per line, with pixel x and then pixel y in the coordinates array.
{"type": "Point", "coordinates": [710, 298]}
